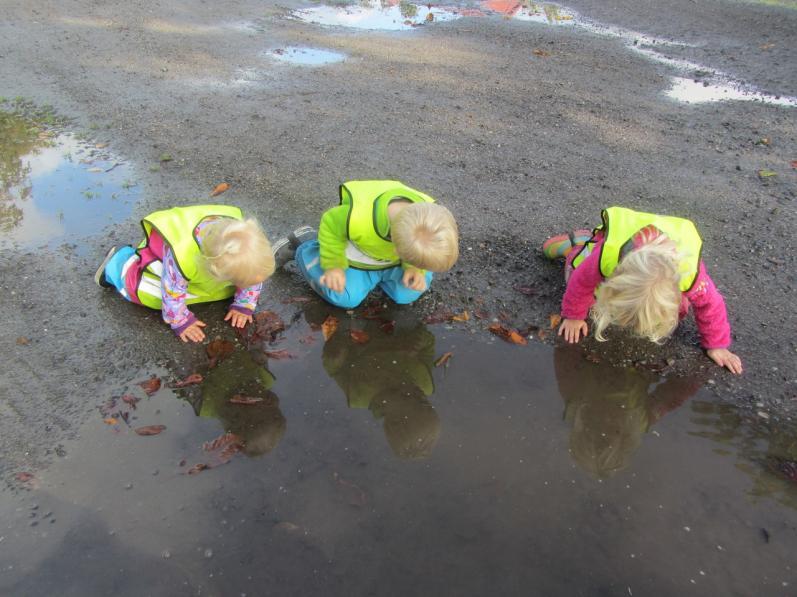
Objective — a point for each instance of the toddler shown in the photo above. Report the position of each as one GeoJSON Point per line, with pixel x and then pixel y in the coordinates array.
{"type": "Point", "coordinates": [642, 272]}
{"type": "Point", "coordinates": [383, 234]}
{"type": "Point", "coordinates": [193, 254]}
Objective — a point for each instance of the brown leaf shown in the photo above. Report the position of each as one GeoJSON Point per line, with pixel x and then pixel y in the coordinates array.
{"type": "Point", "coordinates": [191, 380]}
{"type": "Point", "coordinates": [329, 327]}
{"type": "Point", "coordinates": [527, 290]}
{"type": "Point", "coordinates": [794, 164]}
{"type": "Point", "coordinates": [430, 17]}
{"type": "Point", "coordinates": [245, 400]}
{"type": "Point", "coordinates": [218, 350]}
{"type": "Point", "coordinates": [150, 429]}
{"type": "Point", "coordinates": [540, 53]}
{"type": "Point", "coordinates": [440, 316]}
{"type": "Point", "coordinates": [197, 468]}
{"type": "Point", "coordinates": [556, 319]}
{"type": "Point", "coordinates": [225, 439]}
{"type": "Point", "coordinates": [150, 386]}
{"type": "Point", "coordinates": [101, 145]}
{"type": "Point", "coordinates": [464, 316]}
{"type": "Point", "coordinates": [268, 324]}
{"type": "Point", "coordinates": [508, 334]}
{"type": "Point", "coordinates": [130, 400]}
{"type": "Point", "coordinates": [296, 299]}
{"type": "Point", "coordinates": [359, 336]}
{"type": "Point", "coordinates": [22, 341]}
{"type": "Point", "coordinates": [24, 477]}
{"type": "Point", "coordinates": [443, 360]}
{"type": "Point", "coordinates": [481, 314]}
{"type": "Point", "coordinates": [279, 354]}
{"type": "Point", "coordinates": [388, 326]}
{"type": "Point", "coordinates": [219, 189]}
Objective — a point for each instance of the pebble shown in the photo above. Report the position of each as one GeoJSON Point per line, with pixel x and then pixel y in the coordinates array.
{"type": "Point", "coordinates": [762, 414]}
{"type": "Point", "coordinates": [166, 554]}
{"type": "Point", "coordinates": [208, 553]}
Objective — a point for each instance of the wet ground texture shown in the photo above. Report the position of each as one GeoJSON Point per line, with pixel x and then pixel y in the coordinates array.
{"type": "Point", "coordinates": [395, 450]}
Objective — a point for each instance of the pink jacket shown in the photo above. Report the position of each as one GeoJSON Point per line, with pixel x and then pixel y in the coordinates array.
{"type": "Point", "coordinates": [709, 307]}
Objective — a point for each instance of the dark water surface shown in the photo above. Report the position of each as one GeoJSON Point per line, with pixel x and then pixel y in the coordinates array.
{"type": "Point", "coordinates": [368, 471]}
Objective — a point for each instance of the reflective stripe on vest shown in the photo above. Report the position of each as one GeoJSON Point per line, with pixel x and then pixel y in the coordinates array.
{"type": "Point", "coordinates": [620, 224]}
{"type": "Point", "coordinates": [369, 248]}
{"type": "Point", "coordinates": [176, 227]}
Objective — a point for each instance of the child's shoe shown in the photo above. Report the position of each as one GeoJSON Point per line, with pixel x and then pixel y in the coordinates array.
{"type": "Point", "coordinates": [302, 235]}
{"type": "Point", "coordinates": [557, 247]}
{"type": "Point", "coordinates": [99, 275]}
{"type": "Point", "coordinates": [283, 252]}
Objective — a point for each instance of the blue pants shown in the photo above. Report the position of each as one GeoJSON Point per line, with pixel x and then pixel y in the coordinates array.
{"type": "Point", "coordinates": [359, 282]}
{"type": "Point", "coordinates": [113, 271]}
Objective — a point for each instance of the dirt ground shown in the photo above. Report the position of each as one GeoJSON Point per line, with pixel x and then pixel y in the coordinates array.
{"type": "Point", "coordinates": [519, 145]}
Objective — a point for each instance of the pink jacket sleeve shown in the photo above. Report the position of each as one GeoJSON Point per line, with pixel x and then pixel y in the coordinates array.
{"type": "Point", "coordinates": [711, 315]}
{"type": "Point", "coordinates": [580, 293]}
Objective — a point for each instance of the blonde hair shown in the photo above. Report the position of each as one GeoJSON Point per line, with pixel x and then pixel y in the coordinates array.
{"type": "Point", "coordinates": [238, 252]}
{"type": "Point", "coordinates": [426, 236]}
{"type": "Point", "coordinates": [642, 294]}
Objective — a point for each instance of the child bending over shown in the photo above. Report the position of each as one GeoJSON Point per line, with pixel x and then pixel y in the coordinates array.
{"type": "Point", "coordinates": [642, 272]}
{"type": "Point", "coordinates": [193, 254]}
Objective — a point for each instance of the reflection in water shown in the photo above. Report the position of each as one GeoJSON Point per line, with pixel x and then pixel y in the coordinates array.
{"type": "Point", "coordinates": [54, 186]}
{"type": "Point", "coordinates": [306, 56]}
{"type": "Point", "coordinates": [260, 426]}
{"type": "Point", "coordinates": [610, 408]}
{"type": "Point", "coordinates": [385, 15]}
{"type": "Point", "coordinates": [766, 452]}
{"type": "Point", "coordinates": [390, 375]}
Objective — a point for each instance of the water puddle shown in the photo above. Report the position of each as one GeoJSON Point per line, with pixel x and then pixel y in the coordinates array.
{"type": "Point", "coordinates": [698, 92]}
{"type": "Point", "coordinates": [551, 14]}
{"type": "Point", "coordinates": [320, 441]}
{"type": "Point", "coordinates": [55, 188]}
{"type": "Point", "coordinates": [383, 15]}
{"type": "Point", "coordinates": [306, 56]}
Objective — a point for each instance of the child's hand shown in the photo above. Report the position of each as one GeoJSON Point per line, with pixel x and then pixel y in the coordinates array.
{"type": "Point", "coordinates": [334, 279]}
{"type": "Point", "coordinates": [414, 280]}
{"type": "Point", "coordinates": [237, 319]}
{"type": "Point", "coordinates": [725, 358]}
{"type": "Point", "coordinates": [572, 329]}
{"type": "Point", "coordinates": [193, 332]}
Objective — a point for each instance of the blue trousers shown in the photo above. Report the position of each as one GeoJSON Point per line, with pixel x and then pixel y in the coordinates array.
{"type": "Point", "coordinates": [359, 282]}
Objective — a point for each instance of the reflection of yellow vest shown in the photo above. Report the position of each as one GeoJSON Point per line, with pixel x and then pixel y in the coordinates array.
{"type": "Point", "coordinates": [176, 226]}
{"type": "Point", "coordinates": [620, 224]}
{"type": "Point", "coordinates": [364, 228]}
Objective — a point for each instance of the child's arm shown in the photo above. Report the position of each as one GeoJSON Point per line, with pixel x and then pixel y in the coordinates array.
{"type": "Point", "coordinates": [173, 308]}
{"type": "Point", "coordinates": [579, 297]}
{"type": "Point", "coordinates": [332, 241]}
{"type": "Point", "coordinates": [711, 317]}
{"type": "Point", "coordinates": [243, 305]}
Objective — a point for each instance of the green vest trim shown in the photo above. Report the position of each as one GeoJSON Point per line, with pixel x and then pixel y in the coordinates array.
{"type": "Point", "coordinates": [620, 224]}
{"type": "Point", "coordinates": [176, 227]}
{"type": "Point", "coordinates": [366, 230]}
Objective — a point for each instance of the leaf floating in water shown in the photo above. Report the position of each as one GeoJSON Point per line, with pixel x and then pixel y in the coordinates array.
{"type": "Point", "coordinates": [225, 439]}
{"type": "Point", "coordinates": [329, 327]}
{"type": "Point", "coordinates": [110, 421]}
{"type": "Point", "coordinates": [150, 386]}
{"type": "Point", "coordinates": [556, 319]}
{"type": "Point", "coordinates": [191, 380]}
{"type": "Point", "coordinates": [130, 400]}
{"type": "Point", "coordinates": [279, 354]}
{"type": "Point", "coordinates": [268, 324]}
{"type": "Point", "coordinates": [357, 496]}
{"type": "Point", "coordinates": [197, 468]}
{"type": "Point", "coordinates": [219, 189]}
{"type": "Point", "coordinates": [440, 316]}
{"type": "Point", "coordinates": [245, 400]}
{"type": "Point", "coordinates": [359, 336]}
{"type": "Point", "coordinates": [24, 477]}
{"type": "Point", "coordinates": [443, 360]}
{"type": "Point", "coordinates": [464, 316]}
{"type": "Point", "coordinates": [388, 326]}
{"type": "Point", "coordinates": [218, 350]}
{"type": "Point", "coordinates": [508, 334]}
{"type": "Point", "coordinates": [150, 429]}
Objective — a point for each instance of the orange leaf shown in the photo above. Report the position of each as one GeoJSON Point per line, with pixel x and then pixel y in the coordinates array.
{"type": "Point", "coordinates": [359, 336]}
{"type": "Point", "coordinates": [329, 327]}
{"type": "Point", "coordinates": [245, 400]}
{"type": "Point", "coordinates": [150, 429]}
{"type": "Point", "coordinates": [794, 164]}
{"type": "Point", "coordinates": [192, 379]}
{"type": "Point", "coordinates": [541, 53]}
{"type": "Point", "coordinates": [219, 189]}
{"type": "Point", "coordinates": [219, 350]}
{"type": "Point", "coordinates": [152, 385]}
{"type": "Point", "coordinates": [443, 360]}
{"type": "Point", "coordinates": [110, 421]}
{"type": "Point", "coordinates": [508, 334]}
{"type": "Point", "coordinates": [556, 319]}
{"type": "Point", "coordinates": [464, 316]}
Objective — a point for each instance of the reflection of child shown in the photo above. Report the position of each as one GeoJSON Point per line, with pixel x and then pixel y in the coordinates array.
{"type": "Point", "coordinates": [383, 234]}
{"type": "Point", "coordinates": [610, 411]}
{"type": "Point", "coordinates": [190, 255]}
{"type": "Point", "coordinates": [261, 425]}
{"type": "Point", "coordinates": [641, 271]}
{"type": "Point", "coordinates": [391, 375]}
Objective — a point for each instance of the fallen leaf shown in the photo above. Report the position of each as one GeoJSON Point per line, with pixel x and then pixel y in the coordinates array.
{"type": "Point", "coordinates": [197, 468]}
{"type": "Point", "coordinates": [763, 141]}
{"type": "Point", "coordinates": [219, 189]}
{"type": "Point", "coordinates": [245, 400]}
{"type": "Point", "coordinates": [228, 452]}
{"type": "Point", "coordinates": [556, 319]}
{"type": "Point", "coordinates": [24, 477]}
{"type": "Point", "coordinates": [439, 316]}
{"type": "Point", "coordinates": [357, 496]}
{"type": "Point", "coordinates": [107, 408]}
{"type": "Point", "coordinates": [481, 314]}
{"type": "Point", "coordinates": [388, 326]}
{"type": "Point", "coordinates": [165, 157]}
{"type": "Point", "coordinates": [508, 334]}
{"type": "Point", "coordinates": [527, 290]}
{"type": "Point", "coordinates": [218, 350]}
{"type": "Point", "coordinates": [110, 421]}
{"type": "Point", "coordinates": [296, 299]}
{"type": "Point", "coordinates": [225, 439]}
{"type": "Point", "coordinates": [279, 354]}
{"type": "Point", "coordinates": [150, 386]}
{"type": "Point", "coordinates": [464, 316]}
{"type": "Point", "coordinates": [329, 327]}
{"type": "Point", "coordinates": [766, 46]}
{"type": "Point", "coordinates": [268, 324]}
{"type": "Point", "coordinates": [130, 400]}
{"type": "Point", "coordinates": [22, 341]}
{"type": "Point", "coordinates": [288, 527]}
{"type": "Point", "coordinates": [150, 429]}
{"type": "Point", "coordinates": [766, 173]}
{"type": "Point", "coordinates": [443, 360]}
{"type": "Point", "coordinates": [359, 336]}
{"type": "Point", "coordinates": [592, 358]}
{"type": "Point", "coordinates": [191, 380]}
{"type": "Point", "coordinates": [430, 17]}
{"type": "Point", "coordinates": [101, 145]}
{"type": "Point", "coordinates": [541, 53]}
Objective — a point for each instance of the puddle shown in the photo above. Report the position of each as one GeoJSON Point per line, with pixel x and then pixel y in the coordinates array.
{"type": "Point", "coordinates": [359, 467]}
{"type": "Point", "coordinates": [551, 14]}
{"type": "Point", "coordinates": [383, 15]}
{"type": "Point", "coordinates": [306, 56]}
{"type": "Point", "coordinates": [56, 188]}
{"type": "Point", "coordinates": [698, 92]}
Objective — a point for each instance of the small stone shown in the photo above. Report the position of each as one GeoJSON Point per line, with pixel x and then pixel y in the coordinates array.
{"type": "Point", "coordinates": [762, 414]}
{"type": "Point", "coordinates": [166, 554]}
{"type": "Point", "coordinates": [208, 553]}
